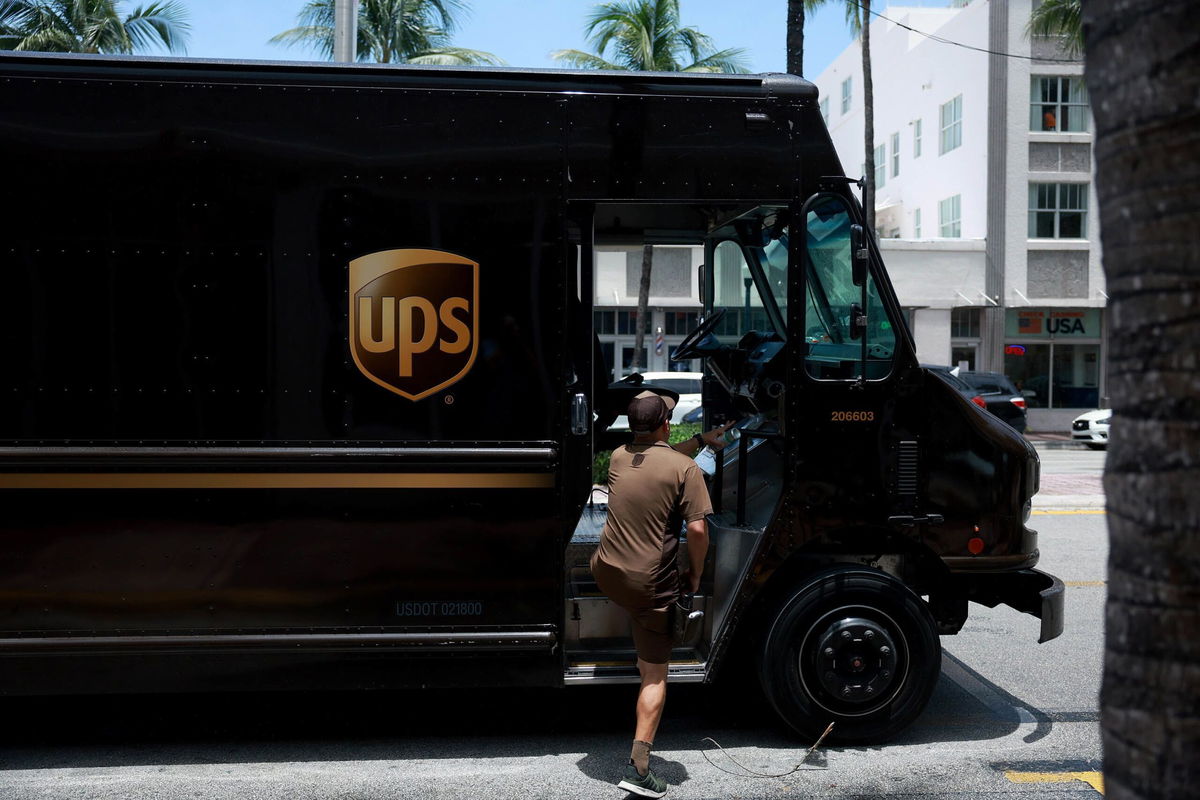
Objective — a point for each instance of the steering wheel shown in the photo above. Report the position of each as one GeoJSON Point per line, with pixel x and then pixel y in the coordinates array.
{"type": "Point", "coordinates": [695, 344]}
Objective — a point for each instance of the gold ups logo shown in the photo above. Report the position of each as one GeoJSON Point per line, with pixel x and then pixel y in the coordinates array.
{"type": "Point", "coordinates": [414, 318]}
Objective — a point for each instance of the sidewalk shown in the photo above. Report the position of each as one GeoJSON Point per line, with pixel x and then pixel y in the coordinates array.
{"type": "Point", "coordinates": [1051, 498]}
{"type": "Point", "coordinates": [1053, 441]}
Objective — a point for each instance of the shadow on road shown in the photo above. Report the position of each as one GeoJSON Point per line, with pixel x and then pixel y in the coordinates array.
{"type": "Point", "coordinates": [99, 731]}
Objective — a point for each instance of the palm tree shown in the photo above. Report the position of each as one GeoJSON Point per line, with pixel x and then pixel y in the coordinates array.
{"type": "Point", "coordinates": [858, 15]}
{"type": "Point", "coordinates": [390, 31]}
{"type": "Point", "coordinates": [646, 35]}
{"type": "Point", "coordinates": [796, 9]}
{"type": "Point", "coordinates": [1059, 18]}
{"type": "Point", "coordinates": [91, 26]}
{"type": "Point", "coordinates": [1146, 155]}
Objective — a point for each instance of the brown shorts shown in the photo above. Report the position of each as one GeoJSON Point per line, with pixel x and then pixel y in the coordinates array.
{"type": "Point", "coordinates": [651, 626]}
{"type": "Point", "coordinates": [652, 634]}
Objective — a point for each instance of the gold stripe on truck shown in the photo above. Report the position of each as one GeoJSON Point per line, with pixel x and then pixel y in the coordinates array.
{"type": "Point", "coordinates": [276, 480]}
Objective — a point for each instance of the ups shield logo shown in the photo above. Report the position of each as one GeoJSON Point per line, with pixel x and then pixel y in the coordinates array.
{"type": "Point", "coordinates": [414, 319]}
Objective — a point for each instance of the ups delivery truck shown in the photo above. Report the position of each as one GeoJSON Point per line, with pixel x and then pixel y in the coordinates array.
{"type": "Point", "coordinates": [299, 388]}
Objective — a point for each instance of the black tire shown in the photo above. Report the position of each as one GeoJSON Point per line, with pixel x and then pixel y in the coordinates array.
{"type": "Point", "coordinates": [1094, 446]}
{"type": "Point", "coordinates": [853, 646]}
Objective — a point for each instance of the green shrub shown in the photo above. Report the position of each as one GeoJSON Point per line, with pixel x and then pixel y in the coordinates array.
{"type": "Point", "coordinates": [679, 433]}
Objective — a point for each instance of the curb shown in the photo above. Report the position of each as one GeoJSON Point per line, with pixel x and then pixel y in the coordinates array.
{"type": "Point", "coordinates": [1056, 444]}
{"type": "Point", "coordinates": [1068, 502]}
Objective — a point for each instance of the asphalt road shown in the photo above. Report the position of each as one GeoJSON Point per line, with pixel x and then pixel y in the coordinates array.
{"type": "Point", "coordinates": [1009, 718]}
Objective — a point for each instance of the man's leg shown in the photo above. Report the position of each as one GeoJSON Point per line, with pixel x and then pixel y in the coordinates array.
{"type": "Point", "coordinates": [652, 696]}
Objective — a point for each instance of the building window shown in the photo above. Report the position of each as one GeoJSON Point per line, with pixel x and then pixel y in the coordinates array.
{"type": "Point", "coordinates": [1058, 104]}
{"type": "Point", "coordinates": [964, 323]}
{"type": "Point", "coordinates": [1055, 375]}
{"type": "Point", "coordinates": [1058, 210]}
{"type": "Point", "coordinates": [678, 323]}
{"type": "Point", "coordinates": [880, 166]}
{"type": "Point", "coordinates": [604, 322]}
{"type": "Point", "coordinates": [916, 138]}
{"type": "Point", "coordinates": [825, 110]}
{"type": "Point", "coordinates": [916, 223]}
{"type": "Point", "coordinates": [895, 154]}
{"type": "Point", "coordinates": [951, 125]}
{"type": "Point", "coordinates": [846, 93]}
{"type": "Point", "coordinates": [627, 323]}
{"type": "Point", "coordinates": [950, 217]}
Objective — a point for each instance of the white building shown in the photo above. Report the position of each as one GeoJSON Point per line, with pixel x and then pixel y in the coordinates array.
{"type": "Point", "coordinates": [984, 195]}
{"type": "Point", "coordinates": [673, 311]}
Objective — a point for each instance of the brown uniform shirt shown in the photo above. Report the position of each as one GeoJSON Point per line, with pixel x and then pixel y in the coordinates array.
{"type": "Point", "coordinates": [653, 490]}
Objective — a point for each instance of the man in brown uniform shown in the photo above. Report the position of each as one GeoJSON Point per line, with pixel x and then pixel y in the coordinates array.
{"type": "Point", "coordinates": [654, 489]}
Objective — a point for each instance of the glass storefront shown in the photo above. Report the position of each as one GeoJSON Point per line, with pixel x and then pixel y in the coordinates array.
{"type": "Point", "coordinates": [1053, 356]}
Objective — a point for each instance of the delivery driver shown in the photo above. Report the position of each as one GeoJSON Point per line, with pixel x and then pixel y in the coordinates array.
{"type": "Point", "coordinates": [654, 489]}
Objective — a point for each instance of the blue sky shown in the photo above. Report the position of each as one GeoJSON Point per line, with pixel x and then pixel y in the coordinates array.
{"type": "Point", "coordinates": [523, 32]}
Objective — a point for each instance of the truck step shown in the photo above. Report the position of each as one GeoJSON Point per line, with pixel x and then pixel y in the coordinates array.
{"type": "Point", "coordinates": [683, 670]}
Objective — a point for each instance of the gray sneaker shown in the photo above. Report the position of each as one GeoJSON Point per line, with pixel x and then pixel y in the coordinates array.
{"type": "Point", "coordinates": [648, 785]}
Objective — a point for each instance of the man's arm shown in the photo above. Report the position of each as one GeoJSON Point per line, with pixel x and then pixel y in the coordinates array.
{"type": "Point", "coordinates": [697, 547]}
{"type": "Point", "coordinates": [714, 439]}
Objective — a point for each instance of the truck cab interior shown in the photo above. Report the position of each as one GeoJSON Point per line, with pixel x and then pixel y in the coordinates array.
{"type": "Point", "coordinates": [743, 340]}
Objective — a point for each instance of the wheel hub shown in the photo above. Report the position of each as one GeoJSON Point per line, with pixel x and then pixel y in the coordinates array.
{"type": "Point", "coordinates": [856, 660]}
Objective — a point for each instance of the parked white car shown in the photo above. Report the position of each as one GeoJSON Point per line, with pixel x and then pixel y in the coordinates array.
{"type": "Point", "coordinates": [1092, 428]}
{"type": "Point", "coordinates": [687, 384]}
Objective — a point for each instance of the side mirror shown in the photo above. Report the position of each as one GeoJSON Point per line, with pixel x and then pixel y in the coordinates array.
{"type": "Point", "coordinates": [858, 254]}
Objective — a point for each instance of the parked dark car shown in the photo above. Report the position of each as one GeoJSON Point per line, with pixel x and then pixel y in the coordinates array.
{"type": "Point", "coordinates": [964, 388]}
{"type": "Point", "coordinates": [1002, 397]}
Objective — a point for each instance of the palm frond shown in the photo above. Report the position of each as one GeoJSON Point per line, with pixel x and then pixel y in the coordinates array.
{"type": "Point", "coordinates": [314, 36]}
{"type": "Point", "coordinates": [697, 44]}
{"type": "Point", "coordinates": [49, 41]}
{"type": "Point", "coordinates": [457, 57]}
{"type": "Point", "coordinates": [607, 22]}
{"type": "Point", "coordinates": [160, 24]}
{"type": "Point", "coordinates": [729, 61]}
{"type": "Point", "coordinates": [581, 60]}
{"type": "Point", "coordinates": [854, 18]}
{"type": "Point", "coordinates": [1059, 18]}
{"type": "Point", "coordinates": [14, 15]}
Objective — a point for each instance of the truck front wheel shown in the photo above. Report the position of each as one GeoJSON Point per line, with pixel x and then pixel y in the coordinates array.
{"type": "Point", "coordinates": [853, 646]}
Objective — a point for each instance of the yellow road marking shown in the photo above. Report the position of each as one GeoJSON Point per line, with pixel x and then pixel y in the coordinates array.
{"type": "Point", "coordinates": [1092, 779]}
{"type": "Point", "coordinates": [1070, 511]}
{"type": "Point", "coordinates": [1085, 583]}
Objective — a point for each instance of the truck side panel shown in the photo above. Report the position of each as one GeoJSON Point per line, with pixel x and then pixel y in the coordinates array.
{"type": "Point", "coordinates": [188, 447]}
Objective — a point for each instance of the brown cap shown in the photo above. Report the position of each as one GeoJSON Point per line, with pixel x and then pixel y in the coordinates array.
{"type": "Point", "coordinates": [648, 411]}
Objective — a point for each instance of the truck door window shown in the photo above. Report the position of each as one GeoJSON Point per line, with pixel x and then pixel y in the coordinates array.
{"type": "Point", "coordinates": [831, 353]}
{"type": "Point", "coordinates": [734, 290]}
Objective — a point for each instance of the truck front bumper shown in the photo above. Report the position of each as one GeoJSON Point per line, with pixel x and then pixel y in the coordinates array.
{"type": "Point", "coordinates": [1029, 591]}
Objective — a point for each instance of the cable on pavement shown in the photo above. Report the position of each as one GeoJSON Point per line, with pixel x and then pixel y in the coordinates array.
{"type": "Point", "coordinates": [753, 773]}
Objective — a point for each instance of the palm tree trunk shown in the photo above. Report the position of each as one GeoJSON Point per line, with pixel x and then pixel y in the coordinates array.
{"type": "Point", "coordinates": [795, 37]}
{"type": "Point", "coordinates": [868, 117]}
{"type": "Point", "coordinates": [639, 339]}
{"type": "Point", "coordinates": [1148, 174]}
